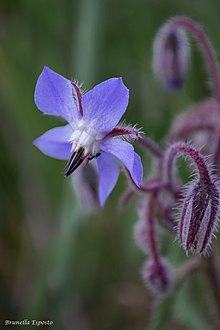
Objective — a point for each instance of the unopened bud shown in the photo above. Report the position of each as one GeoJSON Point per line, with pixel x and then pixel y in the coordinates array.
{"type": "Point", "coordinates": [201, 118]}
{"type": "Point", "coordinates": [158, 276]}
{"type": "Point", "coordinates": [142, 231]}
{"type": "Point", "coordinates": [200, 206]}
{"type": "Point", "coordinates": [141, 235]}
{"type": "Point", "coordinates": [86, 186]}
{"type": "Point", "coordinates": [171, 56]}
{"type": "Point", "coordinates": [199, 216]}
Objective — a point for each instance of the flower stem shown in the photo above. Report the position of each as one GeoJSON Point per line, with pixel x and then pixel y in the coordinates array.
{"type": "Point", "coordinates": [216, 154]}
{"type": "Point", "coordinates": [214, 279]}
{"type": "Point", "coordinates": [187, 268]}
{"type": "Point", "coordinates": [126, 197]}
{"type": "Point", "coordinates": [150, 224]}
{"type": "Point", "coordinates": [149, 186]}
{"type": "Point", "coordinates": [150, 145]}
{"type": "Point", "coordinates": [181, 148]}
{"type": "Point", "coordinates": [208, 51]}
{"type": "Point", "coordinates": [166, 214]}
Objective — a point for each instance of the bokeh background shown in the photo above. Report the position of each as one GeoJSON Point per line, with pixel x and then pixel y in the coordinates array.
{"type": "Point", "coordinates": [58, 261]}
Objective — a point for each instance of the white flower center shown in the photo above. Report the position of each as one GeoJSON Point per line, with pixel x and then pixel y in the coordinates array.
{"type": "Point", "coordinates": [84, 137]}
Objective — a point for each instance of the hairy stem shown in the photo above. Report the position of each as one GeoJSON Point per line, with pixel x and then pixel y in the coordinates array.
{"type": "Point", "coordinates": [198, 32]}
{"type": "Point", "coordinates": [150, 145]}
{"type": "Point", "coordinates": [187, 268]}
{"type": "Point", "coordinates": [183, 149]}
{"type": "Point", "coordinates": [147, 186]}
{"type": "Point", "coordinates": [150, 206]}
{"type": "Point", "coordinates": [214, 279]}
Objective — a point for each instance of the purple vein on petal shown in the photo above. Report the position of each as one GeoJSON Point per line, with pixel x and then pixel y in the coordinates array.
{"type": "Point", "coordinates": [78, 97]}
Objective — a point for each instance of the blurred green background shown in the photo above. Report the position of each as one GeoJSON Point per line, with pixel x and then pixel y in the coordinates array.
{"type": "Point", "coordinates": [58, 261]}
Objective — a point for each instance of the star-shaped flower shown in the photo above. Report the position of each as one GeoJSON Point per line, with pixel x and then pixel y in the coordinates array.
{"type": "Point", "coordinates": [91, 131]}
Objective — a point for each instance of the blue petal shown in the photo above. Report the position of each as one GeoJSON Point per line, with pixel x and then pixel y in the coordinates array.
{"type": "Point", "coordinates": [54, 96]}
{"type": "Point", "coordinates": [105, 104]}
{"type": "Point", "coordinates": [108, 176]}
{"type": "Point", "coordinates": [137, 170]}
{"type": "Point", "coordinates": [54, 142]}
{"type": "Point", "coordinates": [124, 151]}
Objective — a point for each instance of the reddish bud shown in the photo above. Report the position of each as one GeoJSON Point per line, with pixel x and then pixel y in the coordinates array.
{"type": "Point", "coordinates": [171, 56]}
{"type": "Point", "coordinates": [199, 216]}
{"type": "Point", "coordinates": [200, 206]}
{"type": "Point", "coordinates": [201, 118]}
{"type": "Point", "coordinates": [145, 231]}
{"type": "Point", "coordinates": [141, 235]}
{"type": "Point", "coordinates": [86, 186]}
{"type": "Point", "coordinates": [158, 276]}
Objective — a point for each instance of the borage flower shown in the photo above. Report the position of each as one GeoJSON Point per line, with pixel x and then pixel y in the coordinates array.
{"type": "Point", "coordinates": [91, 131]}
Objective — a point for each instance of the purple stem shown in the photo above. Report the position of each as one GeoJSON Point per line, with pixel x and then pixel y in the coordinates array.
{"type": "Point", "coordinates": [146, 142]}
{"type": "Point", "coordinates": [150, 225]}
{"type": "Point", "coordinates": [127, 196]}
{"type": "Point", "coordinates": [181, 148]}
{"type": "Point", "coordinates": [166, 214]}
{"type": "Point", "coordinates": [187, 268]}
{"type": "Point", "coordinates": [213, 274]}
{"type": "Point", "coordinates": [150, 146]}
{"type": "Point", "coordinates": [170, 156]}
{"type": "Point", "coordinates": [207, 48]}
{"type": "Point", "coordinates": [150, 186]}
{"type": "Point", "coordinates": [216, 154]}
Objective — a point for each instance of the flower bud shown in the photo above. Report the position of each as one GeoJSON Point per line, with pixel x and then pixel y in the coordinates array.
{"type": "Point", "coordinates": [86, 186]}
{"type": "Point", "coordinates": [171, 56]}
{"type": "Point", "coordinates": [158, 276]}
{"type": "Point", "coordinates": [200, 118]}
{"type": "Point", "coordinates": [200, 206]}
{"type": "Point", "coordinates": [142, 231]}
{"type": "Point", "coordinates": [141, 235]}
{"type": "Point", "coordinates": [199, 216]}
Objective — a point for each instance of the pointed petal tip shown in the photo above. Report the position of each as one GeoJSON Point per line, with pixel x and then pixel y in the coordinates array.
{"type": "Point", "coordinates": [49, 71]}
{"type": "Point", "coordinates": [34, 142]}
{"type": "Point", "coordinates": [137, 170]}
{"type": "Point", "coordinates": [46, 68]}
{"type": "Point", "coordinates": [116, 80]}
{"type": "Point", "coordinates": [102, 202]}
{"type": "Point", "coordinates": [54, 143]}
{"type": "Point", "coordinates": [121, 82]}
{"type": "Point", "coordinates": [138, 184]}
{"type": "Point", "coordinates": [53, 95]}
{"type": "Point", "coordinates": [37, 142]}
{"type": "Point", "coordinates": [124, 152]}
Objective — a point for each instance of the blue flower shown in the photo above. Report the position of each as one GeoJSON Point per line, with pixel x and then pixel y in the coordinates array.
{"type": "Point", "coordinates": [91, 131]}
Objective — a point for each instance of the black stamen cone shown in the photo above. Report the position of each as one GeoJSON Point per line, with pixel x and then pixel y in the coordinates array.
{"type": "Point", "coordinates": [75, 160]}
